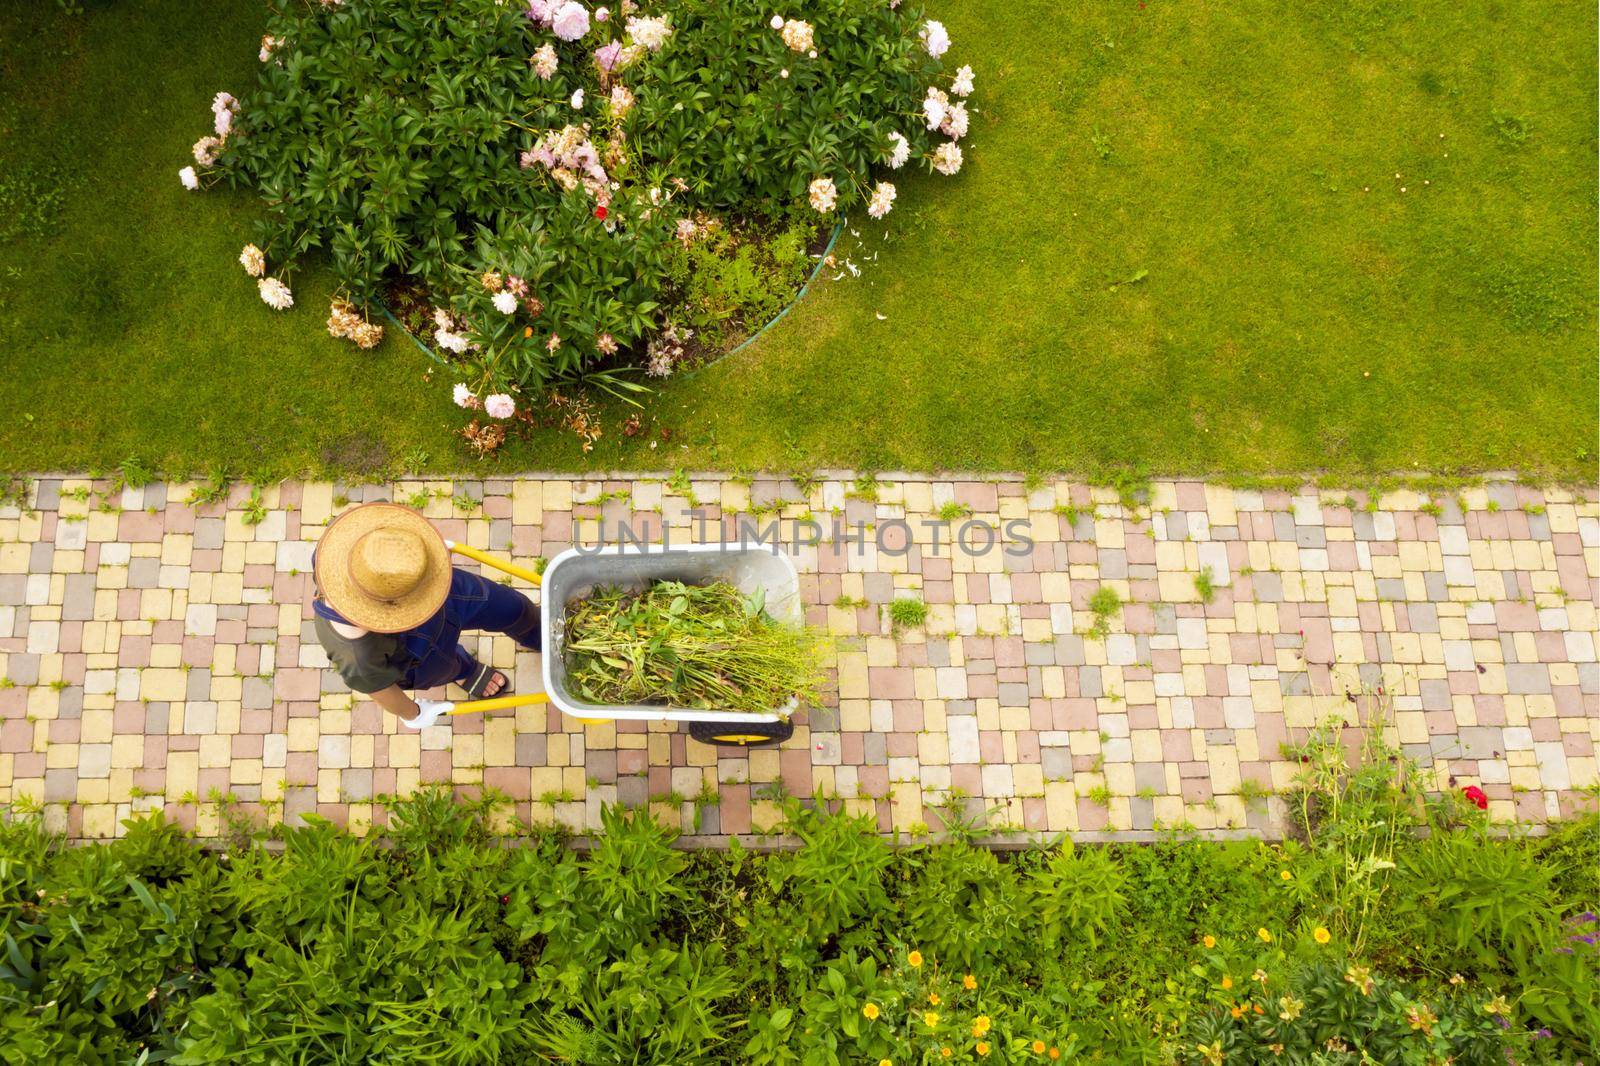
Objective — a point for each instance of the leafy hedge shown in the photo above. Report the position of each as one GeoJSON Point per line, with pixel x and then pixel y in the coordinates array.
{"type": "Point", "coordinates": [448, 948]}
{"type": "Point", "coordinates": [555, 156]}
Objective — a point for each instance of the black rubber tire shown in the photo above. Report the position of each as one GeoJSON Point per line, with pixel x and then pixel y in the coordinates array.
{"type": "Point", "coordinates": [729, 734]}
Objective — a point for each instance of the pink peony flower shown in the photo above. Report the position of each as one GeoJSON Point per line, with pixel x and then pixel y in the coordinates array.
{"type": "Point", "coordinates": [606, 56]}
{"type": "Point", "coordinates": [540, 11]}
{"type": "Point", "coordinates": [935, 38]}
{"type": "Point", "coordinates": [499, 406]}
{"type": "Point", "coordinates": [223, 123]}
{"type": "Point", "coordinates": [206, 149]}
{"type": "Point", "coordinates": [570, 21]}
{"type": "Point", "coordinates": [545, 62]}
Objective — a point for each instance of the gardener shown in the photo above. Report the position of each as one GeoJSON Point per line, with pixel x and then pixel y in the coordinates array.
{"type": "Point", "coordinates": [390, 610]}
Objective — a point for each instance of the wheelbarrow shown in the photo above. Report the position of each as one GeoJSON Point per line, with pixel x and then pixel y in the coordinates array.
{"type": "Point", "coordinates": [576, 573]}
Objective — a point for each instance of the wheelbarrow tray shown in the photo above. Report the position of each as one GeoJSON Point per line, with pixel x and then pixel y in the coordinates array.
{"type": "Point", "coordinates": [574, 575]}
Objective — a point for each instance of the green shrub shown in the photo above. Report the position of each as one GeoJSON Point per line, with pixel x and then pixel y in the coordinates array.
{"type": "Point", "coordinates": [593, 176]}
{"type": "Point", "coordinates": [446, 947]}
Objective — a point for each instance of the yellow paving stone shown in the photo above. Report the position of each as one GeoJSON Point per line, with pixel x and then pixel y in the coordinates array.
{"type": "Point", "coordinates": [303, 734]}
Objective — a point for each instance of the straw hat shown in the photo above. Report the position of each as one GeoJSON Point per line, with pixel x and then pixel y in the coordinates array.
{"type": "Point", "coordinates": [384, 567]}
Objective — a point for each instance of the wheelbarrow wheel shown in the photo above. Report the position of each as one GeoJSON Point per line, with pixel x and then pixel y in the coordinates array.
{"type": "Point", "coordinates": [741, 734]}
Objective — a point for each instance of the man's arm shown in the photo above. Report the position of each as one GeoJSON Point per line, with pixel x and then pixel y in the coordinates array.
{"type": "Point", "coordinates": [394, 700]}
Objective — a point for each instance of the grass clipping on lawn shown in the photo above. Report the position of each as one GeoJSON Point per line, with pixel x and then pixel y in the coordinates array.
{"type": "Point", "coordinates": [709, 647]}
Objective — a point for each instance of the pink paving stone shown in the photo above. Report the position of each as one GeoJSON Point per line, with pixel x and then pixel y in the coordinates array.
{"type": "Point", "coordinates": [891, 682]}
{"type": "Point", "coordinates": [435, 766]}
{"type": "Point", "coordinates": [139, 526]}
{"type": "Point", "coordinates": [213, 779]}
{"type": "Point", "coordinates": [1139, 618]}
{"type": "Point", "coordinates": [247, 746]}
{"type": "Point", "coordinates": [852, 748]}
{"type": "Point", "coordinates": [1196, 789]}
{"type": "Point", "coordinates": [155, 752]}
{"type": "Point", "coordinates": [1035, 817]}
{"type": "Point", "coordinates": [1530, 806]}
{"type": "Point", "coordinates": [991, 746]}
{"type": "Point", "coordinates": [183, 742]}
{"type": "Point", "coordinates": [300, 767]}
{"type": "Point", "coordinates": [1176, 745]}
{"type": "Point", "coordinates": [1092, 817]}
{"type": "Point", "coordinates": [1025, 588]}
{"type": "Point", "coordinates": [1075, 713]}
{"type": "Point", "coordinates": [150, 780]}
{"type": "Point", "coordinates": [1569, 701]}
{"type": "Point", "coordinates": [982, 686]}
{"type": "Point", "coordinates": [907, 715]}
{"type": "Point", "coordinates": [632, 761]}
{"type": "Point", "coordinates": [1488, 709]}
{"type": "Point", "coordinates": [1545, 730]}
{"type": "Point", "coordinates": [1008, 651]}
{"type": "Point", "coordinates": [1514, 617]}
{"type": "Point", "coordinates": [902, 745]}
{"type": "Point", "coordinates": [1027, 746]}
{"type": "Point", "coordinates": [16, 735]}
{"type": "Point", "coordinates": [198, 651]}
{"type": "Point", "coordinates": [794, 767]}
{"type": "Point", "coordinates": [27, 765]}
{"type": "Point", "coordinates": [874, 780]}
{"type": "Point", "coordinates": [297, 683]}
{"type": "Point", "coordinates": [1040, 713]}
{"type": "Point", "coordinates": [1141, 550]}
{"type": "Point", "coordinates": [65, 730]}
{"type": "Point", "coordinates": [181, 814]}
{"type": "Point", "coordinates": [514, 781]}
{"type": "Point", "coordinates": [978, 495]}
{"type": "Point", "coordinates": [733, 808]}
{"type": "Point", "coordinates": [1208, 713]}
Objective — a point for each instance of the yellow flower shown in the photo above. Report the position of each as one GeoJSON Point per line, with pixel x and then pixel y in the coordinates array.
{"type": "Point", "coordinates": [871, 1011]}
{"type": "Point", "coordinates": [1236, 1011]}
{"type": "Point", "coordinates": [1361, 977]}
{"type": "Point", "coordinates": [980, 1025]}
{"type": "Point", "coordinates": [1209, 941]}
{"type": "Point", "coordinates": [969, 982]}
{"type": "Point", "coordinates": [1457, 979]}
{"type": "Point", "coordinates": [1289, 1008]}
{"type": "Point", "coordinates": [1038, 1047]}
{"type": "Point", "coordinates": [944, 1052]}
{"type": "Point", "coordinates": [1227, 982]}
{"type": "Point", "coordinates": [915, 958]}
{"type": "Point", "coordinates": [1266, 937]}
{"type": "Point", "coordinates": [885, 1062]}
{"type": "Point", "coordinates": [930, 1019]}
{"type": "Point", "coordinates": [933, 998]}
{"type": "Point", "coordinates": [1286, 875]}
{"type": "Point", "coordinates": [1421, 1019]}
{"type": "Point", "coordinates": [982, 1049]}
{"type": "Point", "coordinates": [1276, 1049]}
{"type": "Point", "coordinates": [1259, 975]}
{"type": "Point", "coordinates": [1055, 1053]}
{"type": "Point", "coordinates": [1498, 1005]}
{"type": "Point", "coordinates": [1321, 935]}
{"type": "Point", "coordinates": [1213, 1053]}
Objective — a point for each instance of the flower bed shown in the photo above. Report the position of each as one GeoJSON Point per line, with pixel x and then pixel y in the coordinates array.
{"type": "Point", "coordinates": [578, 190]}
{"type": "Point", "coordinates": [448, 948]}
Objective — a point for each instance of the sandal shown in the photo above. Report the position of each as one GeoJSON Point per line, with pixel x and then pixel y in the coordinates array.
{"type": "Point", "coordinates": [478, 687]}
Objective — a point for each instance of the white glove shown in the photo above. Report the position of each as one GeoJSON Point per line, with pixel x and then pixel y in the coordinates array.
{"type": "Point", "coordinates": [428, 713]}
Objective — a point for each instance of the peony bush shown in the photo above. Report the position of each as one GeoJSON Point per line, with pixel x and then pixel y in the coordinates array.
{"type": "Point", "coordinates": [540, 170]}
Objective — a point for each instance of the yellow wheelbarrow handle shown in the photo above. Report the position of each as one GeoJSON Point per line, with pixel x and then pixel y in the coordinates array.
{"type": "Point", "coordinates": [490, 560]}
{"type": "Point", "coordinates": [499, 703]}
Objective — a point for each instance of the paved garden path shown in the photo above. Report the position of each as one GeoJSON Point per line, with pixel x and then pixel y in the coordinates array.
{"type": "Point", "coordinates": [157, 653]}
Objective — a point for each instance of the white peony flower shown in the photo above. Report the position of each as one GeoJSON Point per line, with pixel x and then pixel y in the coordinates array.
{"type": "Point", "coordinates": [450, 341]}
{"type": "Point", "coordinates": [823, 194]}
{"type": "Point", "coordinates": [545, 62]}
{"type": "Point", "coordinates": [934, 38]}
{"type": "Point", "coordinates": [947, 158]}
{"type": "Point", "coordinates": [505, 303]}
{"type": "Point", "coordinates": [621, 100]}
{"type": "Point", "coordinates": [223, 123]}
{"type": "Point", "coordinates": [954, 125]}
{"type": "Point", "coordinates": [798, 35]}
{"type": "Point", "coordinates": [462, 395]}
{"type": "Point", "coordinates": [577, 100]}
{"type": "Point", "coordinates": [777, 22]}
{"type": "Point", "coordinates": [900, 152]}
{"type": "Point", "coordinates": [269, 44]}
{"type": "Point", "coordinates": [253, 261]}
{"type": "Point", "coordinates": [962, 86]}
{"type": "Point", "coordinates": [651, 33]}
{"type": "Point", "coordinates": [499, 406]}
{"type": "Point", "coordinates": [190, 179]}
{"type": "Point", "coordinates": [275, 294]}
{"type": "Point", "coordinates": [571, 21]}
{"type": "Point", "coordinates": [206, 149]}
{"type": "Point", "coordinates": [934, 106]}
{"type": "Point", "coordinates": [882, 200]}
{"type": "Point", "coordinates": [223, 101]}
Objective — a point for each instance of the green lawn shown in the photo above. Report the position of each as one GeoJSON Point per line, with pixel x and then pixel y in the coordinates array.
{"type": "Point", "coordinates": [1294, 310]}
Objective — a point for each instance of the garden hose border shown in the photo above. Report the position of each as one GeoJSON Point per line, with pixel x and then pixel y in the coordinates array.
{"type": "Point", "coordinates": [741, 346]}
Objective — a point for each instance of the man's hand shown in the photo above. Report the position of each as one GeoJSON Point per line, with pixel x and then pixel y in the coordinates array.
{"type": "Point", "coordinates": [428, 713]}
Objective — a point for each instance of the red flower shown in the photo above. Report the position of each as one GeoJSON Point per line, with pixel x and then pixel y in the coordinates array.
{"type": "Point", "coordinates": [600, 212]}
{"type": "Point", "coordinates": [1476, 795]}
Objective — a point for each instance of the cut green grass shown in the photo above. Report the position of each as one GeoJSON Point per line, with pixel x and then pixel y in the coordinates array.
{"type": "Point", "coordinates": [1202, 239]}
